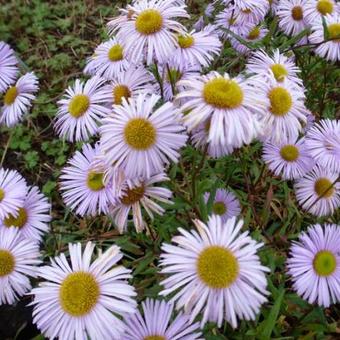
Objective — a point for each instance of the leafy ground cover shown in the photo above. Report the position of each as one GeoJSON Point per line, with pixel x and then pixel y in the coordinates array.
{"type": "Point", "coordinates": [53, 38]}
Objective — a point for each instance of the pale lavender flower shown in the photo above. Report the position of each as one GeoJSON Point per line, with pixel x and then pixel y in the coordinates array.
{"type": "Point", "coordinates": [82, 300]}
{"type": "Point", "coordinates": [19, 259]}
{"type": "Point", "coordinates": [140, 139]}
{"type": "Point", "coordinates": [32, 218]}
{"type": "Point", "coordinates": [155, 323]}
{"type": "Point", "coordinates": [13, 191]}
{"type": "Point", "coordinates": [18, 99]}
{"type": "Point", "coordinates": [8, 66]}
{"type": "Point", "coordinates": [290, 160]}
{"type": "Point", "coordinates": [225, 204]}
{"type": "Point", "coordinates": [314, 264]}
{"type": "Point", "coordinates": [323, 143]}
{"type": "Point", "coordinates": [83, 185]}
{"type": "Point", "coordinates": [316, 10]}
{"type": "Point", "coordinates": [140, 193]}
{"type": "Point", "coordinates": [216, 271]}
{"type": "Point", "coordinates": [318, 192]}
{"type": "Point", "coordinates": [82, 109]}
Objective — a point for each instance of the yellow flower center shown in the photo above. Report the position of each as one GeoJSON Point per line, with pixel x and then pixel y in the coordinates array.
{"type": "Point", "coordinates": [324, 263]}
{"type": "Point", "coordinates": [279, 71]}
{"type": "Point", "coordinates": [185, 41]}
{"type": "Point", "coordinates": [79, 293]}
{"type": "Point", "coordinates": [325, 7]}
{"type": "Point", "coordinates": [289, 153]}
{"type": "Point", "coordinates": [219, 208]}
{"type": "Point", "coordinates": [140, 134]}
{"type": "Point", "coordinates": [223, 93]}
{"type": "Point", "coordinates": [254, 33]}
{"type": "Point", "coordinates": [149, 21]}
{"type": "Point", "coordinates": [334, 31]}
{"type": "Point", "coordinates": [133, 195]}
{"type": "Point", "coordinates": [78, 105]}
{"type": "Point", "coordinates": [120, 92]}
{"type": "Point", "coordinates": [323, 187]}
{"type": "Point", "coordinates": [155, 337]}
{"type": "Point", "coordinates": [115, 53]}
{"type": "Point", "coordinates": [7, 262]}
{"type": "Point", "coordinates": [95, 180]}
{"type": "Point", "coordinates": [246, 11]}
{"type": "Point", "coordinates": [217, 267]}
{"type": "Point", "coordinates": [10, 95]}
{"type": "Point", "coordinates": [297, 13]}
{"type": "Point", "coordinates": [2, 194]}
{"type": "Point", "coordinates": [280, 101]}
{"type": "Point", "coordinates": [18, 221]}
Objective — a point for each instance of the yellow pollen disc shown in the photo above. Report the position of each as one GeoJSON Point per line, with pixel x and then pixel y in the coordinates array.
{"type": "Point", "coordinates": [217, 267]}
{"type": "Point", "coordinates": [10, 95]}
{"type": "Point", "coordinates": [78, 105]}
{"type": "Point", "coordinates": [2, 194]}
{"type": "Point", "coordinates": [325, 7]}
{"type": "Point", "coordinates": [219, 208]}
{"type": "Point", "coordinates": [324, 263]}
{"type": "Point", "coordinates": [140, 134]}
{"type": "Point", "coordinates": [323, 187]}
{"type": "Point", "coordinates": [120, 92]}
{"type": "Point", "coordinates": [280, 101]}
{"type": "Point", "coordinates": [297, 13]}
{"type": "Point", "coordinates": [149, 21]}
{"type": "Point", "coordinates": [154, 337]}
{"type": "Point", "coordinates": [289, 153]}
{"type": "Point", "coordinates": [7, 262]}
{"type": "Point", "coordinates": [95, 180]}
{"type": "Point", "coordinates": [254, 33]}
{"type": "Point", "coordinates": [18, 221]}
{"type": "Point", "coordinates": [279, 71]}
{"type": "Point", "coordinates": [334, 31]}
{"type": "Point", "coordinates": [115, 53]}
{"type": "Point", "coordinates": [133, 195]}
{"type": "Point", "coordinates": [185, 41]}
{"type": "Point", "coordinates": [79, 293]}
{"type": "Point", "coordinates": [223, 93]}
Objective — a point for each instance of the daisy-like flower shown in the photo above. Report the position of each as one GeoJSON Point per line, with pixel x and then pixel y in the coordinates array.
{"type": "Point", "coordinates": [83, 185]}
{"type": "Point", "coordinates": [78, 298]}
{"type": "Point", "coordinates": [319, 192]}
{"type": "Point", "coordinates": [216, 271]}
{"type": "Point", "coordinates": [289, 160]}
{"type": "Point", "coordinates": [140, 193]}
{"type": "Point", "coordinates": [315, 10]}
{"type": "Point", "coordinates": [155, 324]}
{"type": "Point", "coordinates": [18, 260]}
{"type": "Point", "coordinates": [199, 138]}
{"type": "Point", "coordinates": [314, 264]}
{"type": "Point", "coordinates": [150, 32]}
{"type": "Point", "coordinates": [277, 65]}
{"type": "Point", "coordinates": [196, 48]}
{"type": "Point", "coordinates": [230, 103]}
{"type": "Point", "coordinates": [329, 50]}
{"type": "Point", "coordinates": [13, 190]}
{"type": "Point", "coordinates": [227, 20]}
{"type": "Point", "coordinates": [250, 14]}
{"type": "Point", "coordinates": [250, 4]}
{"type": "Point", "coordinates": [82, 109]}
{"type": "Point", "coordinates": [137, 134]}
{"type": "Point", "coordinates": [131, 83]}
{"type": "Point", "coordinates": [225, 204]}
{"type": "Point", "coordinates": [8, 66]}
{"type": "Point", "coordinates": [292, 19]}
{"type": "Point", "coordinates": [285, 110]}
{"type": "Point", "coordinates": [323, 143]}
{"type": "Point", "coordinates": [32, 218]}
{"type": "Point", "coordinates": [108, 60]}
{"type": "Point", "coordinates": [250, 34]}
{"type": "Point", "coordinates": [18, 99]}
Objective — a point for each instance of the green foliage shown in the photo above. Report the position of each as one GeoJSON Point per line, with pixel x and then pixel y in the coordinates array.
{"type": "Point", "coordinates": [54, 38]}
